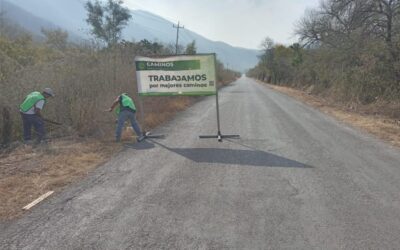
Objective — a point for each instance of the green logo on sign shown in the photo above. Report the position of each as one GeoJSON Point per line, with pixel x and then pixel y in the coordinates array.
{"type": "Point", "coordinates": [142, 65]}
{"type": "Point", "coordinates": [169, 66]}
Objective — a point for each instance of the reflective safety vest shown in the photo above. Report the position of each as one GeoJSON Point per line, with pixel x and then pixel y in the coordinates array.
{"type": "Point", "coordinates": [125, 102]}
{"type": "Point", "coordinates": [31, 100]}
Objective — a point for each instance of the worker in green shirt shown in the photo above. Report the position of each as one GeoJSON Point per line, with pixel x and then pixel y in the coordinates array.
{"type": "Point", "coordinates": [31, 114]}
{"type": "Point", "coordinates": [125, 109]}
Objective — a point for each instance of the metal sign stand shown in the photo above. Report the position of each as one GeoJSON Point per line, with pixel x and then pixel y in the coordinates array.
{"type": "Point", "coordinates": [147, 135]}
{"type": "Point", "coordinates": [219, 135]}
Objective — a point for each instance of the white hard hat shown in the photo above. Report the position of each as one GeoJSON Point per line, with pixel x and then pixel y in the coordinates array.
{"type": "Point", "coordinates": [49, 91]}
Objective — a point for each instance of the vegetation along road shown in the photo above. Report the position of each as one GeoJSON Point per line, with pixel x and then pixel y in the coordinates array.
{"type": "Point", "coordinates": [296, 179]}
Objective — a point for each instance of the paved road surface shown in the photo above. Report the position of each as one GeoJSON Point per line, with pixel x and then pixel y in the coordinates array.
{"type": "Point", "coordinates": [297, 179]}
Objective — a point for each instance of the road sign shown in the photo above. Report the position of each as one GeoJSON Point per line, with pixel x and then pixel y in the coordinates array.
{"type": "Point", "coordinates": [186, 75]}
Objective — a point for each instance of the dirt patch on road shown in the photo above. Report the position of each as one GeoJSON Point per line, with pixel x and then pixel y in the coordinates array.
{"type": "Point", "coordinates": [383, 127]}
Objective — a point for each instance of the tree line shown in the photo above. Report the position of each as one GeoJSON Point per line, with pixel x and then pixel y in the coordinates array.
{"type": "Point", "coordinates": [349, 49]}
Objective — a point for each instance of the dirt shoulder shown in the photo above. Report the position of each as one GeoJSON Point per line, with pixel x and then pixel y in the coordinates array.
{"type": "Point", "coordinates": [28, 172]}
{"type": "Point", "coordinates": [385, 128]}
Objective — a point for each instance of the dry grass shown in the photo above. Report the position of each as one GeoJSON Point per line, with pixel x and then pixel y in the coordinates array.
{"type": "Point", "coordinates": [86, 80]}
{"type": "Point", "coordinates": [381, 126]}
{"type": "Point", "coordinates": [85, 87]}
{"type": "Point", "coordinates": [161, 109]}
{"type": "Point", "coordinates": [27, 172]}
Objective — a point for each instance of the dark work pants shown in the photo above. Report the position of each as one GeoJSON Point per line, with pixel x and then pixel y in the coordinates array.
{"type": "Point", "coordinates": [33, 120]}
{"type": "Point", "coordinates": [122, 117]}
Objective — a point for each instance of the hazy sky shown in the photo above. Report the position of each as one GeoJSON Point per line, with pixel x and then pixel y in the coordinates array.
{"type": "Point", "coordinates": [241, 23]}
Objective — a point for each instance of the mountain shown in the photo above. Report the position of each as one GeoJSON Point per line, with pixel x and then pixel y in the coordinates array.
{"type": "Point", "coordinates": [71, 14]}
{"type": "Point", "coordinates": [146, 25]}
{"type": "Point", "coordinates": [27, 21]}
{"type": "Point", "coordinates": [24, 18]}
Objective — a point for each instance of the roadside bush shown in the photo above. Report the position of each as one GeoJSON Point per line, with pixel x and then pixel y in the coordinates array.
{"type": "Point", "coordinates": [86, 80]}
{"type": "Point", "coordinates": [349, 51]}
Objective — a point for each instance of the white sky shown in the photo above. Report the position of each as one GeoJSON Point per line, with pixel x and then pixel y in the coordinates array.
{"type": "Point", "coordinates": [242, 23]}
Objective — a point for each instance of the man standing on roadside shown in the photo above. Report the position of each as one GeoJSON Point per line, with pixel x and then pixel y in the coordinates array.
{"type": "Point", "coordinates": [126, 110]}
{"type": "Point", "coordinates": [31, 114]}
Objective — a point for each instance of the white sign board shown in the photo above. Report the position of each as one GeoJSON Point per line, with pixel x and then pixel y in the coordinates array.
{"type": "Point", "coordinates": [187, 75]}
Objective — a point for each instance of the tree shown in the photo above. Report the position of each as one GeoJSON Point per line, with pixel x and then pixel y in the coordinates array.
{"type": "Point", "coordinates": [2, 15]}
{"type": "Point", "coordinates": [149, 48]}
{"type": "Point", "coordinates": [298, 56]}
{"type": "Point", "coordinates": [56, 39]}
{"type": "Point", "coordinates": [107, 20]}
{"type": "Point", "coordinates": [267, 44]}
{"type": "Point", "coordinates": [267, 59]}
{"type": "Point", "coordinates": [386, 16]}
{"type": "Point", "coordinates": [171, 49]}
{"type": "Point", "coordinates": [191, 48]}
{"type": "Point", "coordinates": [354, 30]}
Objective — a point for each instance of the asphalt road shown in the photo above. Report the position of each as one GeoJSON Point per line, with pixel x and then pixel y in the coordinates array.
{"type": "Point", "coordinates": [297, 179]}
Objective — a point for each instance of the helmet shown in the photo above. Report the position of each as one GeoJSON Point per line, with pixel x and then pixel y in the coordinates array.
{"type": "Point", "coordinates": [49, 91]}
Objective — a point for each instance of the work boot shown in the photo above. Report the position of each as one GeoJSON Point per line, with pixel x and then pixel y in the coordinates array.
{"type": "Point", "coordinates": [140, 138]}
{"type": "Point", "coordinates": [29, 142]}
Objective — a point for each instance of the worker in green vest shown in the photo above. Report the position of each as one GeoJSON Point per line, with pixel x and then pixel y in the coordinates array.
{"type": "Point", "coordinates": [31, 114]}
{"type": "Point", "coordinates": [125, 109]}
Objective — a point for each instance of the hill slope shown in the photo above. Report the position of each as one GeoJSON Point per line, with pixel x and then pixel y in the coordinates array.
{"type": "Point", "coordinates": [25, 19]}
{"type": "Point", "coordinates": [71, 15]}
